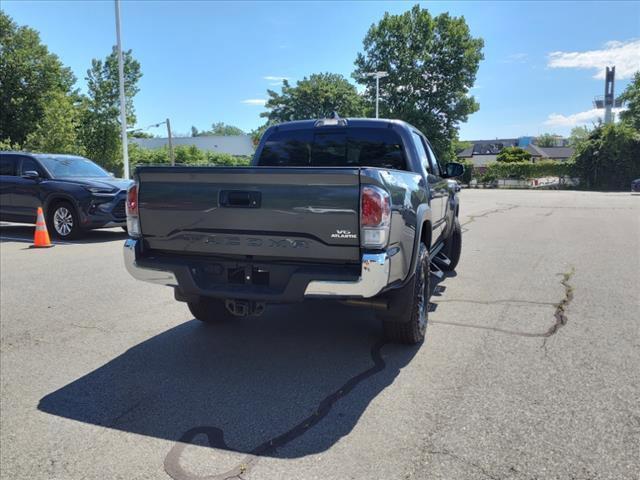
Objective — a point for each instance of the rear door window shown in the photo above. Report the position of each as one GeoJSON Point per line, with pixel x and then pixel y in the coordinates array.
{"type": "Point", "coordinates": [352, 147]}
{"type": "Point", "coordinates": [29, 164]}
{"type": "Point", "coordinates": [8, 165]}
{"type": "Point", "coordinates": [435, 166]}
{"type": "Point", "coordinates": [422, 152]}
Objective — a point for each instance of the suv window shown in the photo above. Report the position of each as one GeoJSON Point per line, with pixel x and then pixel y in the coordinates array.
{"type": "Point", "coordinates": [357, 147]}
{"type": "Point", "coordinates": [8, 165]}
{"type": "Point", "coordinates": [422, 153]}
{"type": "Point", "coordinates": [29, 164]}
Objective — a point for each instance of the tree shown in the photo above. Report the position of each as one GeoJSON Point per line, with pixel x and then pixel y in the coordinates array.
{"type": "Point", "coordinates": [314, 97]}
{"type": "Point", "coordinates": [546, 140]}
{"type": "Point", "coordinates": [609, 158]}
{"type": "Point", "coordinates": [631, 95]}
{"type": "Point", "coordinates": [219, 128]}
{"type": "Point", "coordinates": [57, 130]}
{"type": "Point", "coordinates": [29, 76]}
{"type": "Point", "coordinates": [513, 154]}
{"type": "Point", "coordinates": [100, 126]}
{"type": "Point", "coordinates": [432, 64]}
{"type": "Point", "coordinates": [578, 135]}
{"type": "Point", "coordinates": [256, 134]}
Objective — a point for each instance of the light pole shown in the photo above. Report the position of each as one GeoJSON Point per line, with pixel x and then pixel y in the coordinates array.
{"type": "Point", "coordinates": [123, 106]}
{"type": "Point", "coordinates": [169, 137]}
{"type": "Point", "coordinates": [377, 76]}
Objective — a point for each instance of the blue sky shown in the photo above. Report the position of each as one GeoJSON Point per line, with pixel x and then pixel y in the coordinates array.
{"type": "Point", "coordinates": [205, 62]}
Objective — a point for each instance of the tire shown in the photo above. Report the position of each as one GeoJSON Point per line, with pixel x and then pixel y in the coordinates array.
{"type": "Point", "coordinates": [452, 247]}
{"type": "Point", "coordinates": [63, 221]}
{"type": "Point", "coordinates": [209, 310]}
{"type": "Point", "coordinates": [406, 320]}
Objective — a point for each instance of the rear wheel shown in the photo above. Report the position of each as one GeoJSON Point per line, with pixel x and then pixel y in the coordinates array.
{"type": "Point", "coordinates": [209, 310]}
{"type": "Point", "coordinates": [406, 320]}
{"type": "Point", "coordinates": [63, 221]}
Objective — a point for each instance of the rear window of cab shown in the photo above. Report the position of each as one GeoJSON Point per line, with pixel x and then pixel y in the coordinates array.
{"type": "Point", "coordinates": [345, 147]}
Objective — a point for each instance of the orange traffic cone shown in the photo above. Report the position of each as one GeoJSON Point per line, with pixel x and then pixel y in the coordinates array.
{"type": "Point", "coordinates": [41, 235]}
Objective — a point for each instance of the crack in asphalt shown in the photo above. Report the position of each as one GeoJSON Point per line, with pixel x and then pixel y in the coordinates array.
{"type": "Point", "coordinates": [472, 218]}
{"type": "Point", "coordinates": [559, 314]}
{"type": "Point", "coordinates": [561, 308]}
{"type": "Point", "coordinates": [215, 436]}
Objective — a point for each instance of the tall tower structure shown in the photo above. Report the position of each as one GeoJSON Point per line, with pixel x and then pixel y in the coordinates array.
{"type": "Point", "coordinates": [608, 101]}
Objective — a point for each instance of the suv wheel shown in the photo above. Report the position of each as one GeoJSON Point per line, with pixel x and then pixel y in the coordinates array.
{"type": "Point", "coordinates": [406, 320]}
{"type": "Point", "coordinates": [63, 221]}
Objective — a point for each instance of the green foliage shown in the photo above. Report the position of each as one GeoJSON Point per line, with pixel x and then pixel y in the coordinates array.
{"type": "Point", "coordinates": [632, 96]}
{"type": "Point", "coordinates": [29, 76]}
{"type": "Point", "coordinates": [57, 130]}
{"type": "Point", "coordinates": [184, 155]}
{"type": "Point", "coordinates": [432, 64]}
{"type": "Point", "coordinates": [513, 154]}
{"type": "Point", "coordinates": [609, 159]}
{"type": "Point", "coordinates": [578, 135]}
{"type": "Point", "coordinates": [8, 145]}
{"type": "Point", "coordinates": [100, 110]}
{"type": "Point", "coordinates": [219, 128]}
{"type": "Point", "coordinates": [469, 169]}
{"type": "Point", "coordinates": [256, 134]}
{"type": "Point", "coordinates": [526, 170]}
{"type": "Point", "coordinates": [546, 140]}
{"type": "Point", "coordinates": [314, 97]}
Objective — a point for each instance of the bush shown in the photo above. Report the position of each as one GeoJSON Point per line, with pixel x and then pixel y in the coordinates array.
{"type": "Point", "coordinates": [513, 154]}
{"type": "Point", "coordinates": [184, 155]}
{"type": "Point", "coordinates": [468, 171]}
{"type": "Point", "coordinates": [609, 159]}
{"type": "Point", "coordinates": [528, 170]}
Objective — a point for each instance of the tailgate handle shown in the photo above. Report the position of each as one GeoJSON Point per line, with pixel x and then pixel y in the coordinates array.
{"type": "Point", "coordinates": [240, 199]}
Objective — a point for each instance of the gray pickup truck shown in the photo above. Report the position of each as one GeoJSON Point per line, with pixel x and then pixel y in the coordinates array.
{"type": "Point", "coordinates": [357, 210]}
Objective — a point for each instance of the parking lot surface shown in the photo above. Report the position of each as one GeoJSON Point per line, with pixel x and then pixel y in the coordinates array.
{"type": "Point", "coordinates": [530, 370]}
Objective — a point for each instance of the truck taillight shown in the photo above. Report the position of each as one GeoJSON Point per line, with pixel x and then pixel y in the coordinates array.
{"type": "Point", "coordinates": [133, 221]}
{"type": "Point", "coordinates": [375, 217]}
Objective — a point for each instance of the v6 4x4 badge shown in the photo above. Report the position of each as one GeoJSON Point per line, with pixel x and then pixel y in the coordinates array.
{"type": "Point", "coordinates": [343, 234]}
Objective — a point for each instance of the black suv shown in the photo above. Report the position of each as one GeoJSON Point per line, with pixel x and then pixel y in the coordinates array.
{"type": "Point", "coordinates": [75, 193]}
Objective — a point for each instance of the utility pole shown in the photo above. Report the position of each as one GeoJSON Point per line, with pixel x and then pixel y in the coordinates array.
{"type": "Point", "coordinates": [378, 76]}
{"type": "Point", "coordinates": [123, 105]}
{"type": "Point", "coordinates": [171, 156]}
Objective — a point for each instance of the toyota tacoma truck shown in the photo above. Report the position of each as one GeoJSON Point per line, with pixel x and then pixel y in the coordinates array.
{"type": "Point", "coordinates": [355, 210]}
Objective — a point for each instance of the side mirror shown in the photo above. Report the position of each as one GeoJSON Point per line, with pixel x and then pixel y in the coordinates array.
{"type": "Point", "coordinates": [454, 169]}
{"type": "Point", "coordinates": [31, 174]}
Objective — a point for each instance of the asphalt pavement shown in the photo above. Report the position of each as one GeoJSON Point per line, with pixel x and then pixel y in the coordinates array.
{"type": "Point", "coordinates": [530, 370]}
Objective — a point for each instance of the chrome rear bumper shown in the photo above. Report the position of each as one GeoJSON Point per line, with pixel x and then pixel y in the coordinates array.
{"type": "Point", "coordinates": [161, 277]}
{"type": "Point", "coordinates": [373, 278]}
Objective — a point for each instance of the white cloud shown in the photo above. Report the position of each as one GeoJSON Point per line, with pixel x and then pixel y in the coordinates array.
{"type": "Point", "coordinates": [274, 78]}
{"type": "Point", "coordinates": [254, 101]}
{"type": "Point", "coordinates": [624, 55]}
{"type": "Point", "coordinates": [575, 119]}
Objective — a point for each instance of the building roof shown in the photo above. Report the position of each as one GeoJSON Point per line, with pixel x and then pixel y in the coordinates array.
{"type": "Point", "coordinates": [557, 152]}
{"type": "Point", "coordinates": [238, 145]}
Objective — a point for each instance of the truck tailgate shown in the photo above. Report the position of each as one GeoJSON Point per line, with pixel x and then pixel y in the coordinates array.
{"type": "Point", "coordinates": [302, 213]}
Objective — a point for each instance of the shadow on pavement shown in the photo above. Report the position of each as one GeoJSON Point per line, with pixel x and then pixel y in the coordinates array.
{"type": "Point", "coordinates": [250, 385]}
{"type": "Point", "coordinates": [24, 233]}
